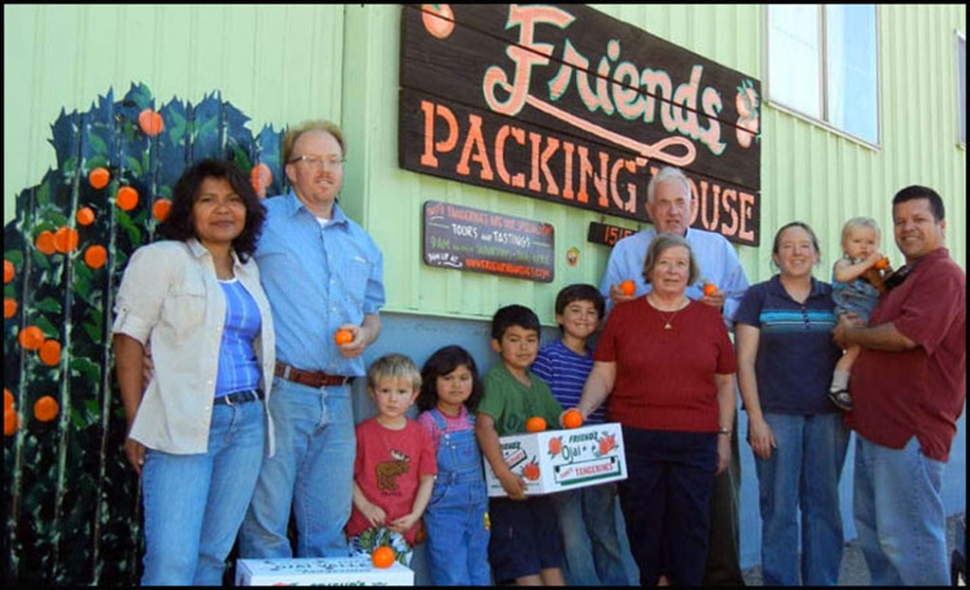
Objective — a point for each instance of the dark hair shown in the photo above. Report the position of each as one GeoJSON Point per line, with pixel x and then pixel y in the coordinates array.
{"type": "Point", "coordinates": [442, 362]}
{"type": "Point", "coordinates": [180, 225]}
{"type": "Point", "coordinates": [513, 315]}
{"type": "Point", "coordinates": [914, 192]}
{"type": "Point", "coordinates": [801, 224]}
{"type": "Point", "coordinates": [580, 292]}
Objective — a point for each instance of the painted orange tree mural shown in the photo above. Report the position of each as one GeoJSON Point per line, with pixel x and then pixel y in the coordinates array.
{"type": "Point", "coordinates": [70, 503]}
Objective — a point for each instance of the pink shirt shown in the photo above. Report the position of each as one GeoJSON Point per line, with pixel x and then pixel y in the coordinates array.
{"type": "Point", "coordinates": [452, 424]}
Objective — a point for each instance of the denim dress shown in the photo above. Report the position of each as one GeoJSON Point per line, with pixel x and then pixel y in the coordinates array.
{"type": "Point", "coordinates": [456, 519]}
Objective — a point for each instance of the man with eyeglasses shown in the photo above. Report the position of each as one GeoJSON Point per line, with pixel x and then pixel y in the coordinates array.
{"type": "Point", "coordinates": [322, 273]}
{"type": "Point", "coordinates": [909, 389]}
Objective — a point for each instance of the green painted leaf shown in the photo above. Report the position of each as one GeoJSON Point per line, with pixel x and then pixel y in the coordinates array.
{"type": "Point", "coordinates": [48, 305]}
{"type": "Point", "coordinates": [134, 165]}
{"type": "Point", "coordinates": [81, 366]}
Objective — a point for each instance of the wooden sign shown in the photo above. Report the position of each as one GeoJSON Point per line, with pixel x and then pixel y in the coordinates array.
{"type": "Point", "coordinates": [606, 234]}
{"type": "Point", "coordinates": [482, 241]}
{"type": "Point", "coordinates": [568, 105]}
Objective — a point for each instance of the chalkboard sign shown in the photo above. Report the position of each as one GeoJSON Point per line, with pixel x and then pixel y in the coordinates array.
{"type": "Point", "coordinates": [482, 241]}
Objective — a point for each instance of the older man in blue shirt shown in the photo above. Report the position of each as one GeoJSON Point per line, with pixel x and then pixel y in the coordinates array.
{"type": "Point", "coordinates": [321, 272]}
{"type": "Point", "coordinates": [671, 207]}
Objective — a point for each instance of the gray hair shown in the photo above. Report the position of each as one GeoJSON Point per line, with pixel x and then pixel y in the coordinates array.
{"type": "Point", "coordinates": [668, 173]}
{"type": "Point", "coordinates": [660, 244]}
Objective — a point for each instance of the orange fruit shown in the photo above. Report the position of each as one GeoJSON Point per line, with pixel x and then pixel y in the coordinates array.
{"type": "Point", "coordinates": [99, 177]}
{"type": "Point", "coordinates": [8, 271]}
{"type": "Point", "coordinates": [535, 424]}
{"type": "Point", "coordinates": [127, 198]}
{"type": "Point", "coordinates": [151, 123]}
{"type": "Point", "coordinates": [95, 256]}
{"type": "Point", "coordinates": [46, 408]}
{"type": "Point", "coordinates": [7, 399]}
{"type": "Point", "coordinates": [343, 337]}
{"type": "Point", "coordinates": [628, 287]}
{"type": "Point", "coordinates": [881, 264]}
{"type": "Point", "coordinates": [9, 308]}
{"type": "Point", "coordinates": [161, 208]}
{"type": "Point", "coordinates": [10, 421]}
{"type": "Point", "coordinates": [709, 289]}
{"type": "Point", "coordinates": [50, 352]}
{"type": "Point", "coordinates": [572, 418]}
{"type": "Point", "coordinates": [45, 243]}
{"type": "Point", "coordinates": [31, 337]}
{"type": "Point", "coordinates": [85, 216]}
{"type": "Point", "coordinates": [65, 240]}
{"type": "Point", "coordinates": [260, 177]}
{"type": "Point", "coordinates": [382, 557]}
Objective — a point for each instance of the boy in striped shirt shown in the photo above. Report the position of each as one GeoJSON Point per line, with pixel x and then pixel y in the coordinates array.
{"type": "Point", "coordinates": [564, 365]}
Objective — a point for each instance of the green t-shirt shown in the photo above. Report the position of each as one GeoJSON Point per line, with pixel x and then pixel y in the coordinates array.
{"type": "Point", "coordinates": [510, 403]}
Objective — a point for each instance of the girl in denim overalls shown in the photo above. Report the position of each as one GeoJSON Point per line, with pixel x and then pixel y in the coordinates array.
{"type": "Point", "coordinates": [456, 519]}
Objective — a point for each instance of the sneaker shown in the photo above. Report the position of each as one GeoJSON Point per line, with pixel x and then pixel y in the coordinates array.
{"type": "Point", "coordinates": [841, 398]}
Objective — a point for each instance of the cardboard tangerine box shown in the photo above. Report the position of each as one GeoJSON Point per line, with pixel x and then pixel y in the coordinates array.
{"type": "Point", "coordinates": [320, 571]}
{"type": "Point", "coordinates": [558, 460]}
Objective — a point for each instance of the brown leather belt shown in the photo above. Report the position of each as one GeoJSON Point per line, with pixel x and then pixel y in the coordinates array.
{"type": "Point", "coordinates": [309, 378]}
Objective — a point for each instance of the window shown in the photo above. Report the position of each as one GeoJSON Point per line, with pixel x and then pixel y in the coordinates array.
{"type": "Point", "coordinates": [822, 64]}
{"type": "Point", "coordinates": [962, 85]}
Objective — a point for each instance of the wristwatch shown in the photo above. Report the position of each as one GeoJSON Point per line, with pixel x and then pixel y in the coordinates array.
{"type": "Point", "coordinates": [725, 432]}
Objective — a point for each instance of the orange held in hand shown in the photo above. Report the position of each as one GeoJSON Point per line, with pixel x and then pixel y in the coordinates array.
{"type": "Point", "coordinates": [881, 264]}
{"type": "Point", "coordinates": [382, 557]}
{"type": "Point", "coordinates": [535, 424]}
{"type": "Point", "coordinates": [572, 418]}
{"type": "Point", "coordinates": [343, 337]}
{"type": "Point", "coordinates": [709, 289]}
{"type": "Point", "coordinates": [628, 287]}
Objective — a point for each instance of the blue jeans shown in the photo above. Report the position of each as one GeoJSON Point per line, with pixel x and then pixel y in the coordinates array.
{"type": "Point", "coordinates": [194, 504]}
{"type": "Point", "coordinates": [591, 512]}
{"type": "Point", "coordinates": [899, 515]}
{"type": "Point", "coordinates": [802, 475]}
{"type": "Point", "coordinates": [312, 472]}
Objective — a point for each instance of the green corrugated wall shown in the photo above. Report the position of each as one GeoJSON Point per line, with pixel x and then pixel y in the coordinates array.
{"type": "Point", "coordinates": [284, 64]}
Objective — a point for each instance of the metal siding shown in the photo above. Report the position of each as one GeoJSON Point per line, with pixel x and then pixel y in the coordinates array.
{"type": "Point", "coordinates": [278, 65]}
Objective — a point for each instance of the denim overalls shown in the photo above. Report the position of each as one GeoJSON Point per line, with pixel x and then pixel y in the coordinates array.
{"type": "Point", "coordinates": [455, 519]}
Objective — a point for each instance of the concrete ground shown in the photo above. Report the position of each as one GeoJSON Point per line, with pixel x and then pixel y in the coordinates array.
{"type": "Point", "coordinates": [854, 571]}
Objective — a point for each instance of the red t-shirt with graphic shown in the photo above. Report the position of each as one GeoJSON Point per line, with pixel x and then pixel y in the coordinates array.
{"type": "Point", "coordinates": [388, 470]}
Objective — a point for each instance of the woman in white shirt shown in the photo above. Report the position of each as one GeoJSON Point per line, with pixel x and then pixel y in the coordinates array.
{"type": "Point", "coordinates": [198, 429]}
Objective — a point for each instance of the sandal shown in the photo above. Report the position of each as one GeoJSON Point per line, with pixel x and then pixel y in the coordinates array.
{"type": "Point", "coordinates": [842, 399]}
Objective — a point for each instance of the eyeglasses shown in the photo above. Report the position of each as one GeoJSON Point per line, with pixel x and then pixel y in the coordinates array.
{"type": "Point", "coordinates": [319, 162]}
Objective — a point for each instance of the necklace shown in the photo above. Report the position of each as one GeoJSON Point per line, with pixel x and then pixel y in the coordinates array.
{"type": "Point", "coordinates": [668, 319]}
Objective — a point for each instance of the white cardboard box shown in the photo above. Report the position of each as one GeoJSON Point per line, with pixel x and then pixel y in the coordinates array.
{"type": "Point", "coordinates": [558, 460]}
{"type": "Point", "coordinates": [320, 571]}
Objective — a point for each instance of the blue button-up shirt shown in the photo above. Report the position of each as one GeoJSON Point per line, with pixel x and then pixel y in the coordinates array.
{"type": "Point", "coordinates": [317, 278]}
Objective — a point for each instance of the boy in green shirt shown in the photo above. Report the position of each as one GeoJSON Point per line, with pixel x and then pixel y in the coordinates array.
{"type": "Point", "coordinates": [525, 544]}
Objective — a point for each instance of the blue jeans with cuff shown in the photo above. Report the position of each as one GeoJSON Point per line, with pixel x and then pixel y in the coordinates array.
{"type": "Point", "coordinates": [194, 504]}
{"type": "Point", "coordinates": [590, 512]}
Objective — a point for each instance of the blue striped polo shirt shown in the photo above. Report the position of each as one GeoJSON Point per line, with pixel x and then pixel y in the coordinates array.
{"type": "Point", "coordinates": [565, 373]}
{"type": "Point", "coordinates": [796, 353]}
